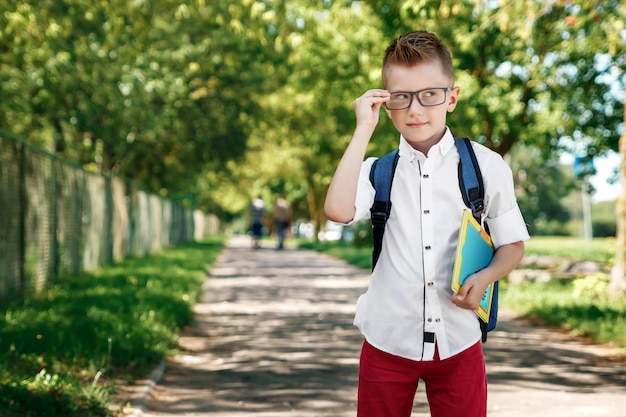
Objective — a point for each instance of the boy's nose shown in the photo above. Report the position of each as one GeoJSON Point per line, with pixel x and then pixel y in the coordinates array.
{"type": "Point", "coordinates": [415, 106]}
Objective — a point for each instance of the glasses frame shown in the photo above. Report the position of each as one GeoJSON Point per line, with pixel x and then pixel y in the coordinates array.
{"type": "Point", "coordinates": [416, 95]}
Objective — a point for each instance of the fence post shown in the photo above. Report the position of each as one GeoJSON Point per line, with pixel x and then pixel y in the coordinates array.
{"type": "Point", "coordinates": [21, 280]}
{"type": "Point", "coordinates": [108, 219]}
{"type": "Point", "coordinates": [56, 189]}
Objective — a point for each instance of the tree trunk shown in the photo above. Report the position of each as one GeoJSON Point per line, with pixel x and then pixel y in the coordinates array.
{"type": "Point", "coordinates": [315, 208]}
{"type": "Point", "coordinates": [618, 273]}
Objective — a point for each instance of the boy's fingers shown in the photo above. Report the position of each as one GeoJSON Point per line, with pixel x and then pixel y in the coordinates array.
{"type": "Point", "coordinates": [460, 298]}
{"type": "Point", "coordinates": [376, 94]}
{"type": "Point", "coordinates": [462, 292]}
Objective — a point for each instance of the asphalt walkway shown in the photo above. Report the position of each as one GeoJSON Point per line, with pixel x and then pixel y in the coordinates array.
{"type": "Point", "coordinates": [273, 337]}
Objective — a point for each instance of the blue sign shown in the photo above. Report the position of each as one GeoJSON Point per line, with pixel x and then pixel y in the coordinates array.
{"type": "Point", "coordinates": [583, 166]}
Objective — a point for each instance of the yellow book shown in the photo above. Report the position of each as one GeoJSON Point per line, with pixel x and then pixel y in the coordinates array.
{"type": "Point", "coordinates": [474, 252]}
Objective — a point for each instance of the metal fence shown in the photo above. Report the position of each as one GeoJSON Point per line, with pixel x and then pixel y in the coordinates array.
{"type": "Point", "coordinates": [57, 219]}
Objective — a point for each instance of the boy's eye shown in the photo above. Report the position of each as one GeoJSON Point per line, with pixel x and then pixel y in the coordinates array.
{"type": "Point", "coordinates": [400, 96]}
{"type": "Point", "coordinates": [429, 93]}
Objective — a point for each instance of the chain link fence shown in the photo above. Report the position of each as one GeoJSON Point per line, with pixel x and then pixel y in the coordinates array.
{"type": "Point", "coordinates": [58, 219]}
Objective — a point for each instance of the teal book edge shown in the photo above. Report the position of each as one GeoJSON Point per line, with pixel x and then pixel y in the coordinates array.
{"type": "Point", "coordinates": [474, 252]}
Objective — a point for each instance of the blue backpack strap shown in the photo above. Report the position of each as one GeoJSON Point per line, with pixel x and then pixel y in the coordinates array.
{"type": "Point", "coordinates": [473, 192]}
{"type": "Point", "coordinates": [470, 178]}
{"type": "Point", "coordinates": [381, 177]}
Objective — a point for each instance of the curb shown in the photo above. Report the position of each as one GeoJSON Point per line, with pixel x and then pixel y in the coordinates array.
{"type": "Point", "coordinates": [153, 379]}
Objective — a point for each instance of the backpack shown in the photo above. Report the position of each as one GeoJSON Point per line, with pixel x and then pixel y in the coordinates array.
{"type": "Point", "coordinates": [472, 190]}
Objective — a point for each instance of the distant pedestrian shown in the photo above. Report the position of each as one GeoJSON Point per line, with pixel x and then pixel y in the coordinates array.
{"type": "Point", "coordinates": [257, 214]}
{"type": "Point", "coordinates": [282, 220]}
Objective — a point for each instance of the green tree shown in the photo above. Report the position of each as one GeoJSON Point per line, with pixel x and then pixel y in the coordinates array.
{"type": "Point", "coordinates": [529, 72]}
{"type": "Point", "coordinates": [227, 98]}
{"type": "Point", "coordinates": [309, 121]}
{"type": "Point", "coordinates": [541, 185]}
{"type": "Point", "coordinates": [618, 272]}
{"type": "Point", "coordinates": [157, 91]}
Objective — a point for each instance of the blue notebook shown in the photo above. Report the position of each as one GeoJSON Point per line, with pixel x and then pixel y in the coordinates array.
{"type": "Point", "coordinates": [474, 252]}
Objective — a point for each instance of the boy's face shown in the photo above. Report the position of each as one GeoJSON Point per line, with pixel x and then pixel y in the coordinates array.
{"type": "Point", "coordinates": [422, 126]}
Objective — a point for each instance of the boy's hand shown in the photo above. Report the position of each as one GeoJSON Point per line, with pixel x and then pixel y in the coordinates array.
{"type": "Point", "coordinates": [505, 259]}
{"type": "Point", "coordinates": [367, 107]}
{"type": "Point", "coordinates": [470, 293]}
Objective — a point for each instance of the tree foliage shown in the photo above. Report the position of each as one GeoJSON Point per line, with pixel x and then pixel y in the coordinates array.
{"type": "Point", "coordinates": [231, 99]}
{"type": "Point", "coordinates": [156, 91]}
{"type": "Point", "coordinates": [310, 119]}
{"type": "Point", "coordinates": [530, 71]}
{"type": "Point", "coordinates": [541, 185]}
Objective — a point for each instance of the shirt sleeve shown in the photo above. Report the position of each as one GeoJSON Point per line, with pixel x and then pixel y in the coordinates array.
{"type": "Point", "coordinates": [504, 218]}
{"type": "Point", "coordinates": [365, 192]}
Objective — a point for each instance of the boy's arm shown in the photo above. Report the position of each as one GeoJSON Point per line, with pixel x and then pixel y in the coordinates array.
{"type": "Point", "coordinates": [505, 259]}
{"type": "Point", "coordinates": [339, 204]}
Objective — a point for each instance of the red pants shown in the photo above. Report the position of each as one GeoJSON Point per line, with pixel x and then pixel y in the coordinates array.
{"type": "Point", "coordinates": [455, 387]}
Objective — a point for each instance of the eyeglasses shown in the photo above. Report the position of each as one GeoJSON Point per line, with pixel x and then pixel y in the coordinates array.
{"type": "Point", "coordinates": [428, 97]}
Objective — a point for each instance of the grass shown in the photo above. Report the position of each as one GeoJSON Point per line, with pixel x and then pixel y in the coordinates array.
{"type": "Point", "coordinates": [358, 256]}
{"type": "Point", "coordinates": [580, 305]}
{"type": "Point", "coordinates": [59, 352]}
{"type": "Point", "coordinates": [600, 250]}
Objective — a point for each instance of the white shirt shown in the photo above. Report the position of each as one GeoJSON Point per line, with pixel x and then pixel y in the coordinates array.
{"type": "Point", "coordinates": [409, 291]}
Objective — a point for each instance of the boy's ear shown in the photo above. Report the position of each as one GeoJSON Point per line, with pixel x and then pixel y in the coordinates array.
{"type": "Point", "coordinates": [453, 98]}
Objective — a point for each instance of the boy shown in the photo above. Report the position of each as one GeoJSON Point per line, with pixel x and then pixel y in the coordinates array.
{"type": "Point", "coordinates": [414, 326]}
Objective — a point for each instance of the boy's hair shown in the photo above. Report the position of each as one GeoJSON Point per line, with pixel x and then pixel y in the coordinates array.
{"type": "Point", "coordinates": [415, 48]}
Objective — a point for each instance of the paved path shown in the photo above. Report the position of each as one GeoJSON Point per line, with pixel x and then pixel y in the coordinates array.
{"type": "Point", "coordinates": [273, 337]}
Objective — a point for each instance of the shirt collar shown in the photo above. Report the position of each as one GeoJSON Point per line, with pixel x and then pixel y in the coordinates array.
{"type": "Point", "coordinates": [443, 146]}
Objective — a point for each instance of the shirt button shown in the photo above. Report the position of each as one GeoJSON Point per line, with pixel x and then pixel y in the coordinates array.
{"type": "Point", "coordinates": [437, 320]}
{"type": "Point", "coordinates": [427, 247]}
{"type": "Point", "coordinates": [430, 284]}
{"type": "Point", "coordinates": [426, 211]}
{"type": "Point", "coordinates": [426, 176]}
{"type": "Point", "coordinates": [430, 320]}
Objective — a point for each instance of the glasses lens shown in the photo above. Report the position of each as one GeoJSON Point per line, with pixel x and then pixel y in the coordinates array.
{"type": "Point", "coordinates": [399, 101]}
{"type": "Point", "coordinates": [433, 97]}
{"type": "Point", "coordinates": [429, 97]}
